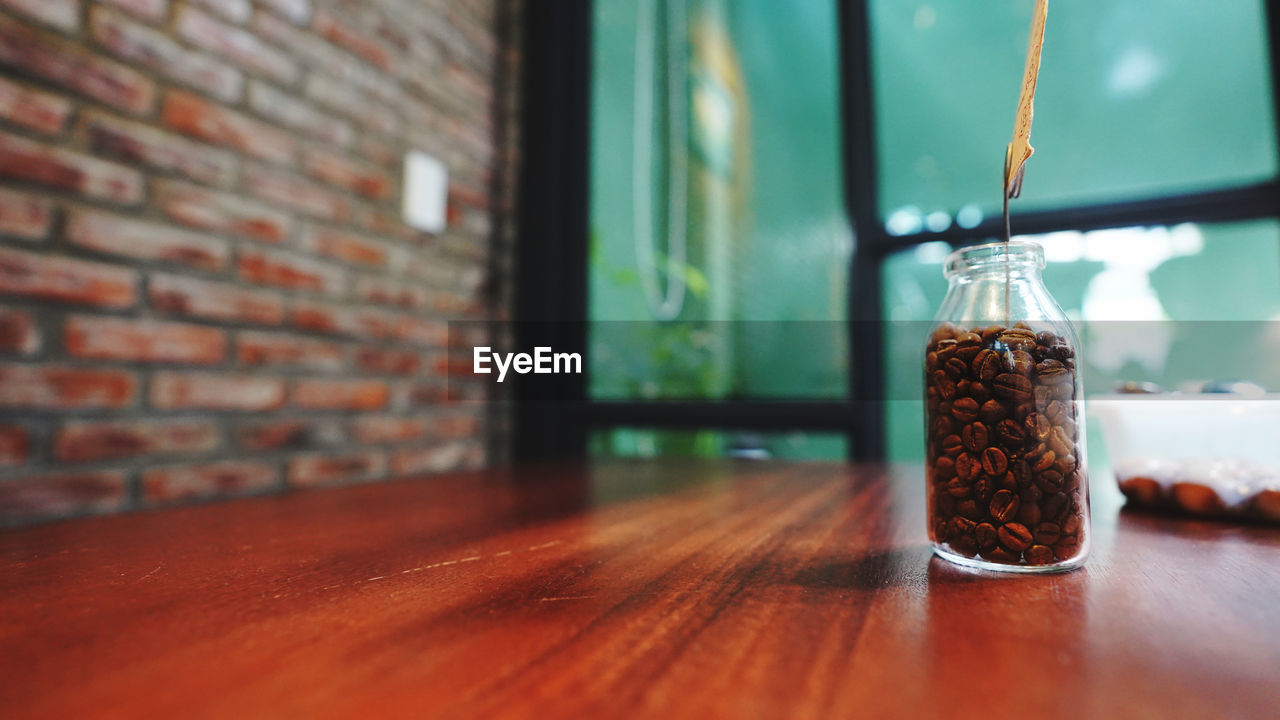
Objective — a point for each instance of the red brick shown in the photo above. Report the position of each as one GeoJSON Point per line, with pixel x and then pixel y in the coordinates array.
{"type": "Point", "coordinates": [65, 170]}
{"type": "Point", "coordinates": [157, 149]}
{"type": "Point", "coordinates": [316, 470]}
{"type": "Point", "coordinates": [347, 99]}
{"type": "Point", "coordinates": [65, 388]}
{"type": "Point", "coordinates": [388, 429]}
{"type": "Point", "coordinates": [286, 110]}
{"type": "Point", "coordinates": [422, 331]}
{"type": "Point", "coordinates": [87, 441]}
{"type": "Point", "coordinates": [293, 192]}
{"type": "Point", "coordinates": [211, 391]}
{"type": "Point", "coordinates": [32, 109]}
{"type": "Point", "coordinates": [156, 51]}
{"type": "Point", "coordinates": [391, 362]}
{"type": "Point", "coordinates": [47, 277]}
{"type": "Point", "coordinates": [208, 121]}
{"type": "Point", "coordinates": [335, 31]}
{"type": "Point", "coordinates": [24, 216]}
{"type": "Point", "coordinates": [456, 426]}
{"type": "Point", "coordinates": [18, 332]}
{"type": "Point", "coordinates": [299, 11]}
{"type": "Point", "coordinates": [152, 10]}
{"type": "Point", "coordinates": [377, 151]}
{"type": "Point", "coordinates": [110, 338]}
{"type": "Point", "coordinates": [214, 300]}
{"type": "Point", "coordinates": [33, 498]}
{"type": "Point", "coordinates": [341, 394]}
{"type": "Point", "coordinates": [235, 44]}
{"type": "Point", "coordinates": [275, 349]}
{"type": "Point", "coordinates": [291, 434]}
{"type": "Point", "coordinates": [186, 482]}
{"type": "Point", "coordinates": [142, 240]}
{"type": "Point", "coordinates": [348, 174]}
{"type": "Point", "coordinates": [286, 270]}
{"type": "Point", "coordinates": [72, 66]}
{"type": "Point", "coordinates": [436, 459]}
{"type": "Point", "coordinates": [60, 14]}
{"type": "Point", "coordinates": [357, 322]}
{"type": "Point", "coordinates": [424, 395]}
{"type": "Point", "coordinates": [220, 212]}
{"type": "Point", "coordinates": [377, 289]}
{"type": "Point", "coordinates": [15, 444]}
{"type": "Point", "coordinates": [237, 11]}
{"type": "Point", "coordinates": [350, 249]}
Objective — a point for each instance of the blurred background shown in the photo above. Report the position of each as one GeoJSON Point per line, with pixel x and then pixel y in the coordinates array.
{"type": "Point", "coordinates": [239, 237]}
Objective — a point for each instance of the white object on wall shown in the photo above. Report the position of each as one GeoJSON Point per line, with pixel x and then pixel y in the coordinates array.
{"type": "Point", "coordinates": [426, 192]}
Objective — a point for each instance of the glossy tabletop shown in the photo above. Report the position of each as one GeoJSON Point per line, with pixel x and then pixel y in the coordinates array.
{"type": "Point", "coordinates": [672, 590]}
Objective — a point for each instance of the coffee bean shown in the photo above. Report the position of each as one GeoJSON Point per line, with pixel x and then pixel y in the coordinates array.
{"type": "Point", "coordinates": [1014, 536]}
{"type": "Point", "coordinates": [974, 437]}
{"type": "Point", "coordinates": [1009, 434]}
{"type": "Point", "coordinates": [1028, 514]}
{"type": "Point", "coordinates": [968, 339]}
{"type": "Point", "coordinates": [941, 426]}
{"type": "Point", "coordinates": [1004, 505]}
{"type": "Point", "coordinates": [1049, 481]}
{"type": "Point", "coordinates": [1021, 362]}
{"type": "Point", "coordinates": [961, 526]}
{"type": "Point", "coordinates": [992, 412]}
{"type": "Point", "coordinates": [994, 461]}
{"type": "Point", "coordinates": [968, 353]}
{"type": "Point", "coordinates": [1045, 461]}
{"type": "Point", "coordinates": [967, 467]}
{"type": "Point", "coordinates": [957, 487]}
{"type": "Point", "coordinates": [965, 410]}
{"type": "Point", "coordinates": [963, 545]}
{"type": "Point", "coordinates": [1042, 396]}
{"type": "Point", "coordinates": [1000, 555]}
{"type": "Point", "coordinates": [951, 445]}
{"type": "Point", "coordinates": [945, 387]}
{"type": "Point", "coordinates": [1047, 533]}
{"type": "Point", "coordinates": [1052, 371]}
{"type": "Point", "coordinates": [986, 365]}
{"type": "Point", "coordinates": [1037, 426]}
{"type": "Point", "coordinates": [944, 331]}
{"type": "Point", "coordinates": [938, 530]}
{"type": "Point", "coordinates": [1071, 526]}
{"type": "Point", "coordinates": [1018, 338]}
{"type": "Point", "coordinates": [983, 488]}
{"type": "Point", "coordinates": [955, 368]}
{"type": "Point", "coordinates": [1057, 412]}
{"type": "Point", "coordinates": [944, 504]}
{"type": "Point", "coordinates": [1055, 505]}
{"type": "Point", "coordinates": [1008, 482]}
{"type": "Point", "coordinates": [944, 468]}
{"type": "Point", "coordinates": [1012, 387]}
{"type": "Point", "coordinates": [980, 392]}
{"type": "Point", "coordinates": [1066, 549]}
{"type": "Point", "coordinates": [985, 535]}
{"type": "Point", "coordinates": [1039, 555]}
{"type": "Point", "coordinates": [990, 333]}
{"type": "Point", "coordinates": [970, 509]}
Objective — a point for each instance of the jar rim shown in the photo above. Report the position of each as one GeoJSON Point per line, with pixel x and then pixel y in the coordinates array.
{"type": "Point", "coordinates": [1015, 253]}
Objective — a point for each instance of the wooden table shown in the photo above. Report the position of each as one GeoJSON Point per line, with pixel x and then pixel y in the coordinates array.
{"type": "Point", "coordinates": [670, 590]}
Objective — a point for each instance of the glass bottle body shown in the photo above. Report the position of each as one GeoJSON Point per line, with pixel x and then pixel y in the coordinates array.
{"type": "Point", "coordinates": [1005, 450]}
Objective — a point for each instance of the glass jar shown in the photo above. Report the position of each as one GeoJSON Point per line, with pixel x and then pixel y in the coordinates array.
{"type": "Point", "coordinates": [1005, 440]}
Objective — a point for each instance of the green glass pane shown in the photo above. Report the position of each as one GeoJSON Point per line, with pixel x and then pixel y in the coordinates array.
{"type": "Point", "coordinates": [649, 443]}
{"type": "Point", "coordinates": [1136, 98]}
{"type": "Point", "coordinates": [717, 217]}
{"type": "Point", "coordinates": [1176, 305]}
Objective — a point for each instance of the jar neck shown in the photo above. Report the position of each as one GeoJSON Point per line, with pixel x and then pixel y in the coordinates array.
{"type": "Point", "coordinates": [1020, 259]}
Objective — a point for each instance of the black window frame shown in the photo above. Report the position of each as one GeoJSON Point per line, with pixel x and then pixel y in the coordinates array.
{"type": "Point", "coordinates": [552, 244]}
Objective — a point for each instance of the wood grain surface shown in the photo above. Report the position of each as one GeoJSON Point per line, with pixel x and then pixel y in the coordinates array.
{"type": "Point", "coordinates": [672, 590]}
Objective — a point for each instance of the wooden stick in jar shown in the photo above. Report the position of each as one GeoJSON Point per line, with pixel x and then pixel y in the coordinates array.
{"type": "Point", "coordinates": [1020, 149]}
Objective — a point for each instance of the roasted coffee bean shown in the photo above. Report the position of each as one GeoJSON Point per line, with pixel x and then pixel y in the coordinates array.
{"type": "Point", "coordinates": [1057, 412]}
{"type": "Point", "coordinates": [1052, 371]}
{"type": "Point", "coordinates": [1001, 555]}
{"type": "Point", "coordinates": [951, 445]}
{"type": "Point", "coordinates": [1047, 533]}
{"type": "Point", "coordinates": [994, 461]}
{"type": "Point", "coordinates": [1066, 549]}
{"type": "Point", "coordinates": [944, 386]}
{"type": "Point", "coordinates": [992, 412]}
{"type": "Point", "coordinates": [986, 365]}
{"type": "Point", "coordinates": [1042, 396]}
{"type": "Point", "coordinates": [1059, 443]}
{"type": "Point", "coordinates": [985, 535]}
{"type": "Point", "coordinates": [967, 354]}
{"type": "Point", "coordinates": [945, 349]}
{"type": "Point", "coordinates": [955, 368]}
{"type": "Point", "coordinates": [974, 436]}
{"type": "Point", "coordinates": [980, 392]}
{"type": "Point", "coordinates": [961, 526]}
{"type": "Point", "coordinates": [1062, 351]}
{"type": "Point", "coordinates": [1011, 387]}
{"type": "Point", "coordinates": [957, 487]}
{"type": "Point", "coordinates": [938, 530]}
{"type": "Point", "coordinates": [967, 467]}
{"type": "Point", "coordinates": [1008, 482]}
{"type": "Point", "coordinates": [1021, 470]}
{"type": "Point", "coordinates": [1045, 461]}
{"type": "Point", "coordinates": [1071, 526]}
{"type": "Point", "coordinates": [1004, 505]}
{"type": "Point", "coordinates": [968, 339]}
{"type": "Point", "coordinates": [1018, 338]}
{"type": "Point", "coordinates": [944, 468]}
{"type": "Point", "coordinates": [963, 388]}
{"type": "Point", "coordinates": [1021, 362]}
{"type": "Point", "coordinates": [941, 426]}
{"type": "Point", "coordinates": [990, 333]}
{"type": "Point", "coordinates": [1049, 481]}
{"type": "Point", "coordinates": [963, 545]}
{"type": "Point", "coordinates": [970, 509]}
{"type": "Point", "coordinates": [1014, 536]}
{"type": "Point", "coordinates": [1037, 426]}
{"type": "Point", "coordinates": [1009, 434]}
{"type": "Point", "coordinates": [1028, 514]}
{"type": "Point", "coordinates": [1044, 338]}
{"type": "Point", "coordinates": [1039, 555]}
{"type": "Point", "coordinates": [944, 504]}
{"type": "Point", "coordinates": [983, 488]}
{"type": "Point", "coordinates": [1055, 505]}
{"type": "Point", "coordinates": [965, 410]}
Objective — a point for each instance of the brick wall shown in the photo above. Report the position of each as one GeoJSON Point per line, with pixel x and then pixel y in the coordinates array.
{"type": "Point", "coordinates": [206, 289]}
